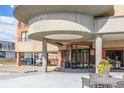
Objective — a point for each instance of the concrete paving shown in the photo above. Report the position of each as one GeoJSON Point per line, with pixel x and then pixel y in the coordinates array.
{"type": "Point", "coordinates": [18, 69]}
{"type": "Point", "coordinates": [47, 80]}
{"type": "Point", "coordinates": [44, 80]}
{"type": "Point", "coordinates": [10, 69]}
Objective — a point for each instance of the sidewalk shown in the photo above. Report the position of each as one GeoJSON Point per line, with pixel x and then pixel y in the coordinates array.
{"type": "Point", "coordinates": [47, 80]}
{"type": "Point", "coordinates": [14, 69]}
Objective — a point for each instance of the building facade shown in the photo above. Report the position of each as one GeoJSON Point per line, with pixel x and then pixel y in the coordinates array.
{"type": "Point", "coordinates": [7, 49]}
{"type": "Point", "coordinates": [82, 34]}
{"type": "Point", "coordinates": [28, 51]}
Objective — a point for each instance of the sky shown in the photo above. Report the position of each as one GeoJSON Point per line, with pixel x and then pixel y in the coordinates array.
{"type": "Point", "coordinates": [7, 23]}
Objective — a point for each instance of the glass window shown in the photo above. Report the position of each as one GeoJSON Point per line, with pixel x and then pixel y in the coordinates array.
{"type": "Point", "coordinates": [24, 36]}
{"type": "Point", "coordinates": [9, 46]}
{"type": "Point", "coordinates": [5, 46]}
{"type": "Point", "coordinates": [0, 46]}
{"type": "Point", "coordinates": [13, 46]}
{"type": "Point", "coordinates": [22, 55]}
{"type": "Point", "coordinates": [36, 55]}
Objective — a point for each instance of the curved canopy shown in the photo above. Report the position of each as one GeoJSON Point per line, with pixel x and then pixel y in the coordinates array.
{"type": "Point", "coordinates": [59, 30]}
{"type": "Point", "coordinates": [24, 12]}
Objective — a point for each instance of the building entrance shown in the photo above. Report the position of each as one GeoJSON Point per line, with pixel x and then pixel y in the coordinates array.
{"type": "Point", "coordinates": [78, 56]}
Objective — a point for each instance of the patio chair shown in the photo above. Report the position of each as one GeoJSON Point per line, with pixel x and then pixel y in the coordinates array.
{"type": "Point", "coordinates": [94, 78]}
{"type": "Point", "coordinates": [85, 82]}
{"type": "Point", "coordinates": [120, 84]}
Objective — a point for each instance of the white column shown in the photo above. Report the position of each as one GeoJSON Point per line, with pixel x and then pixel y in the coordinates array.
{"type": "Point", "coordinates": [98, 48]}
{"type": "Point", "coordinates": [44, 53]}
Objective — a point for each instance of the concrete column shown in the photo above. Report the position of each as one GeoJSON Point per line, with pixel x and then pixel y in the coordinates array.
{"type": "Point", "coordinates": [98, 48]}
{"type": "Point", "coordinates": [59, 58]}
{"type": "Point", "coordinates": [18, 58]}
{"type": "Point", "coordinates": [44, 57]}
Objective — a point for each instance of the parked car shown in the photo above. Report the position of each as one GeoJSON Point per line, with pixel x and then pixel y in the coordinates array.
{"type": "Point", "coordinates": [115, 63]}
{"type": "Point", "coordinates": [38, 62]}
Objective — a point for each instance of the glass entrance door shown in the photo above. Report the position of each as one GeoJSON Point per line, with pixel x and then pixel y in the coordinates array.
{"type": "Point", "coordinates": [80, 58]}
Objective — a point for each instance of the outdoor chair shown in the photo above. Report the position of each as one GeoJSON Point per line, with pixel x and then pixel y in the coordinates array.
{"type": "Point", "coordinates": [94, 77]}
{"type": "Point", "coordinates": [85, 82]}
{"type": "Point", "coordinates": [120, 84]}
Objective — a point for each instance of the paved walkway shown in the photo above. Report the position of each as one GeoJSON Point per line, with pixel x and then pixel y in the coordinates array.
{"type": "Point", "coordinates": [12, 76]}
{"type": "Point", "coordinates": [46, 80]}
{"type": "Point", "coordinates": [10, 69]}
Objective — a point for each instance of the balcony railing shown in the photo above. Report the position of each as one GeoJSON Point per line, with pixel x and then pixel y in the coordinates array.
{"type": "Point", "coordinates": [7, 49]}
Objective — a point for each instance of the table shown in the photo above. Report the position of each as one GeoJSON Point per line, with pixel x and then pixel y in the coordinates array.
{"type": "Point", "coordinates": [108, 81]}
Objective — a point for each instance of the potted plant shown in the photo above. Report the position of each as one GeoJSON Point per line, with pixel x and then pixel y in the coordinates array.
{"type": "Point", "coordinates": [101, 66]}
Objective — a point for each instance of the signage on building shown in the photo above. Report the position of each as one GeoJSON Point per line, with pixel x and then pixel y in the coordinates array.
{"type": "Point", "coordinates": [92, 52]}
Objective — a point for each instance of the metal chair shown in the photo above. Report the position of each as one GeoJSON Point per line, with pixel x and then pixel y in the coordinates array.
{"type": "Point", "coordinates": [94, 77]}
{"type": "Point", "coordinates": [85, 82]}
{"type": "Point", "coordinates": [120, 84]}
